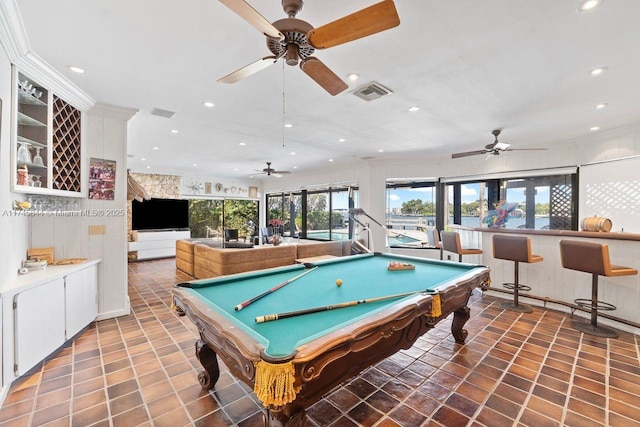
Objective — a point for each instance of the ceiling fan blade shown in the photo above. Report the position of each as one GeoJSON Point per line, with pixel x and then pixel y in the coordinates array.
{"type": "Point", "coordinates": [326, 78]}
{"type": "Point", "coordinates": [365, 22]}
{"type": "Point", "coordinates": [468, 153]}
{"type": "Point", "coordinates": [248, 70]}
{"type": "Point", "coordinates": [281, 172]}
{"type": "Point", "coordinates": [249, 14]}
{"type": "Point", "coordinates": [525, 149]}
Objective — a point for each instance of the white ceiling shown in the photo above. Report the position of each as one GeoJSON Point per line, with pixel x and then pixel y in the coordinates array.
{"type": "Point", "coordinates": [471, 65]}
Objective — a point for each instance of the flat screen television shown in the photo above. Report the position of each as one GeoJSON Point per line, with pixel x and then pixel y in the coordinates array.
{"type": "Point", "coordinates": [160, 214]}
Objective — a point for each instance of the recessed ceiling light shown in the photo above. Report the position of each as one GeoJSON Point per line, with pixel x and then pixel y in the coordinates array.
{"type": "Point", "coordinates": [601, 106]}
{"type": "Point", "coordinates": [235, 170]}
{"type": "Point", "coordinates": [341, 140]}
{"type": "Point", "coordinates": [143, 159]}
{"type": "Point", "coordinates": [195, 164]}
{"type": "Point", "coordinates": [288, 125]}
{"type": "Point", "coordinates": [76, 69]}
{"type": "Point", "coordinates": [598, 71]}
{"type": "Point", "coordinates": [174, 131]}
{"type": "Point", "coordinates": [594, 128]}
{"type": "Point", "coordinates": [295, 167]}
{"type": "Point", "coordinates": [414, 109]}
{"type": "Point", "coordinates": [381, 151]}
{"type": "Point", "coordinates": [331, 160]}
{"type": "Point", "coordinates": [208, 104]}
{"type": "Point", "coordinates": [353, 76]}
{"type": "Point", "coordinates": [242, 143]}
{"type": "Point", "coordinates": [293, 153]}
{"type": "Point", "coordinates": [155, 148]}
{"type": "Point", "coordinates": [588, 5]}
{"type": "Point", "coordinates": [148, 167]}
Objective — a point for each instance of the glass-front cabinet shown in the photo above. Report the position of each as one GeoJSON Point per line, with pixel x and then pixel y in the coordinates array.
{"type": "Point", "coordinates": [48, 136]}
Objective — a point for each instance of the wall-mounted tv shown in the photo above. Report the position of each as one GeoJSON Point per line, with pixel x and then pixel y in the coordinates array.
{"type": "Point", "coordinates": [160, 214]}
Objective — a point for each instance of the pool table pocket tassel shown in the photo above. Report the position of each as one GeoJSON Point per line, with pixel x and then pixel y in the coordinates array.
{"type": "Point", "coordinates": [436, 306]}
{"type": "Point", "coordinates": [275, 383]}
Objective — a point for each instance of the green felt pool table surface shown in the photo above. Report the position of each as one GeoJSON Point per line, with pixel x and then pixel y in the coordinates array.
{"type": "Point", "coordinates": [363, 276]}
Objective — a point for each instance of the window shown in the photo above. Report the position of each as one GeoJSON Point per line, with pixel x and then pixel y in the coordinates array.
{"type": "Point", "coordinates": [208, 217]}
{"type": "Point", "coordinates": [538, 202]}
{"type": "Point", "coordinates": [318, 215]}
{"type": "Point", "coordinates": [411, 210]}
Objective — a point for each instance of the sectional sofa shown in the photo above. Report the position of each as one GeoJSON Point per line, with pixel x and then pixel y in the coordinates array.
{"type": "Point", "coordinates": [201, 261]}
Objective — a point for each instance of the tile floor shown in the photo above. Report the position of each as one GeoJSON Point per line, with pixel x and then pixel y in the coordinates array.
{"type": "Point", "coordinates": [516, 369]}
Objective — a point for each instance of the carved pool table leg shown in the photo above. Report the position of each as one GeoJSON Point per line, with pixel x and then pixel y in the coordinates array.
{"type": "Point", "coordinates": [209, 361]}
{"type": "Point", "coordinates": [460, 317]}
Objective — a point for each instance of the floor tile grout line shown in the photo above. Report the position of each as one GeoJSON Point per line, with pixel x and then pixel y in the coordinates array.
{"type": "Point", "coordinates": [542, 364]}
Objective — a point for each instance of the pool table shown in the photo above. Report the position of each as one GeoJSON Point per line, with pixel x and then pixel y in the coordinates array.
{"type": "Point", "coordinates": [313, 353]}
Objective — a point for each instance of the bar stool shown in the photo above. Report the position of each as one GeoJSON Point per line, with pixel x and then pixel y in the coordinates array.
{"type": "Point", "coordinates": [592, 258]}
{"type": "Point", "coordinates": [451, 243]}
{"type": "Point", "coordinates": [516, 249]}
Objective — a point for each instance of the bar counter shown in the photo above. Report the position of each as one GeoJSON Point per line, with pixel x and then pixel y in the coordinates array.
{"type": "Point", "coordinates": [556, 287]}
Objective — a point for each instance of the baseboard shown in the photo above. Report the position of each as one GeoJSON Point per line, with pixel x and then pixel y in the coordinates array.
{"type": "Point", "coordinates": [112, 314]}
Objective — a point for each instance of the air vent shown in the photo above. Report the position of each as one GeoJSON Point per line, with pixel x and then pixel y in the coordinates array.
{"type": "Point", "coordinates": [372, 91]}
{"type": "Point", "coordinates": [162, 113]}
{"type": "Point", "coordinates": [367, 157]}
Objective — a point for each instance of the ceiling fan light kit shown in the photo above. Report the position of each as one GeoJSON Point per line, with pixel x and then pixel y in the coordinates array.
{"type": "Point", "coordinates": [296, 40]}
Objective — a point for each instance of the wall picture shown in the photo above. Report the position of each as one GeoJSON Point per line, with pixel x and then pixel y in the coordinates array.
{"type": "Point", "coordinates": [253, 192]}
{"type": "Point", "coordinates": [102, 179]}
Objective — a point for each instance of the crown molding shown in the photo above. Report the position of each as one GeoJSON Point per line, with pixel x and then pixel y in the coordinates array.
{"type": "Point", "coordinates": [113, 112]}
{"type": "Point", "coordinates": [16, 43]}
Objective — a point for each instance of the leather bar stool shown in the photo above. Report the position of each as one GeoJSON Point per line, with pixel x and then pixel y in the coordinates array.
{"type": "Point", "coordinates": [451, 243]}
{"type": "Point", "coordinates": [592, 258]}
{"type": "Point", "coordinates": [516, 249]}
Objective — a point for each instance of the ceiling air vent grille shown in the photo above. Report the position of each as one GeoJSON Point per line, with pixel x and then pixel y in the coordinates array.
{"type": "Point", "coordinates": [372, 91]}
{"type": "Point", "coordinates": [162, 113]}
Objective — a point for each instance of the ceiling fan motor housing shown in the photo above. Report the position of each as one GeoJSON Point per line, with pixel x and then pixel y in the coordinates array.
{"type": "Point", "coordinates": [295, 45]}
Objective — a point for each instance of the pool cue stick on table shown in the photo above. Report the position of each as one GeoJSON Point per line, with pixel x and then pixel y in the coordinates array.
{"type": "Point", "coordinates": [275, 288]}
{"type": "Point", "coordinates": [271, 317]}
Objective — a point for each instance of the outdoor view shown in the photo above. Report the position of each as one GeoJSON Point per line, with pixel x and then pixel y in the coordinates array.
{"type": "Point", "coordinates": [208, 218]}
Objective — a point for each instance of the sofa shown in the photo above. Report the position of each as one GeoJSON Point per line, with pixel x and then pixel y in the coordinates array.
{"type": "Point", "coordinates": [202, 261]}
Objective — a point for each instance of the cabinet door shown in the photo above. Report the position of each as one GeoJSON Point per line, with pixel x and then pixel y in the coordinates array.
{"type": "Point", "coordinates": [39, 324]}
{"type": "Point", "coordinates": [32, 134]}
{"type": "Point", "coordinates": [80, 299]}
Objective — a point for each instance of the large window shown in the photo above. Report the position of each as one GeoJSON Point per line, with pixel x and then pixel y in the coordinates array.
{"type": "Point", "coordinates": [411, 211]}
{"type": "Point", "coordinates": [209, 217]}
{"type": "Point", "coordinates": [538, 202]}
{"type": "Point", "coordinates": [319, 214]}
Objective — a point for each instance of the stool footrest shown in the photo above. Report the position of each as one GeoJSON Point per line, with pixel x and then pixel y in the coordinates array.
{"type": "Point", "coordinates": [520, 286]}
{"type": "Point", "coordinates": [597, 331]}
{"type": "Point", "coordinates": [599, 305]}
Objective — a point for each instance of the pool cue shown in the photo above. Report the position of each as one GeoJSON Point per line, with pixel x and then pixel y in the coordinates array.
{"type": "Point", "coordinates": [270, 317]}
{"type": "Point", "coordinates": [275, 288]}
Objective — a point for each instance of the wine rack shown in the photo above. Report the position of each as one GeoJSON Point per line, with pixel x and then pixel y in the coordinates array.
{"type": "Point", "coordinates": [66, 144]}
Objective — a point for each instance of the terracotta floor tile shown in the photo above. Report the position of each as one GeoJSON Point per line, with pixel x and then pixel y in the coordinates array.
{"type": "Point", "coordinates": [516, 369]}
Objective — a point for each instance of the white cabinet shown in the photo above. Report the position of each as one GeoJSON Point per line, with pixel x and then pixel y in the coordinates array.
{"type": "Point", "coordinates": [48, 137]}
{"type": "Point", "coordinates": [39, 315]}
{"type": "Point", "coordinates": [157, 244]}
{"type": "Point", "coordinates": [81, 305]}
{"type": "Point", "coordinates": [52, 307]}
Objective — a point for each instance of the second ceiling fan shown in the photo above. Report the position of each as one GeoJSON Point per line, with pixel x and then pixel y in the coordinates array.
{"type": "Point", "coordinates": [493, 149]}
{"type": "Point", "coordinates": [296, 40]}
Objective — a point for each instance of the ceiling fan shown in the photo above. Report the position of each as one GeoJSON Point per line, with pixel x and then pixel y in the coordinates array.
{"type": "Point", "coordinates": [296, 40]}
{"type": "Point", "coordinates": [493, 149]}
{"type": "Point", "coordinates": [269, 171]}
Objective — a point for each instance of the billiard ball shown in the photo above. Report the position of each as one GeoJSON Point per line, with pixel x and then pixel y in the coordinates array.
{"type": "Point", "coordinates": [339, 282]}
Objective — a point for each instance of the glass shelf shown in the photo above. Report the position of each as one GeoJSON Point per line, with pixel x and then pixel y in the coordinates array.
{"type": "Point", "coordinates": [25, 120]}
{"type": "Point", "coordinates": [25, 98]}
{"type": "Point", "coordinates": [31, 142]}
